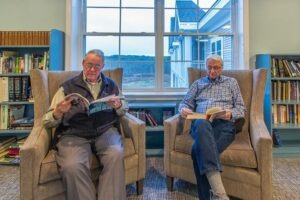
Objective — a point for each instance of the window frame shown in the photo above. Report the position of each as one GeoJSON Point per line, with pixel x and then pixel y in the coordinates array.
{"type": "Point", "coordinates": [74, 44]}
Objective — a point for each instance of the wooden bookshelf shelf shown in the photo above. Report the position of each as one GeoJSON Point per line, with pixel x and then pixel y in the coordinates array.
{"type": "Point", "coordinates": [21, 51]}
{"type": "Point", "coordinates": [282, 96]}
{"type": "Point", "coordinates": [159, 110]}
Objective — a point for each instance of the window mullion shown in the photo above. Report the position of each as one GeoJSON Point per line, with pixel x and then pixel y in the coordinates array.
{"type": "Point", "coordinates": [159, 42]}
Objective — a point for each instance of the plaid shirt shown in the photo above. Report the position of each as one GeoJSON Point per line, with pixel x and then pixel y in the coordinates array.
{"type": "Point", "coordinates": [222, 92]}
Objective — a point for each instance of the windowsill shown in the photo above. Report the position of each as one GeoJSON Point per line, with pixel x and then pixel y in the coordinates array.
{"type": "Point", "coordinates": [154, 96]}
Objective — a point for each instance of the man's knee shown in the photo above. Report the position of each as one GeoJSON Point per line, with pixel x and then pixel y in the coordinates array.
{"type": "Point", "coordinates": [201, 126]}
{"type": "Point", "coordinates": [116, 152]}
{"type": "Point", "coordinates": [73, 168]}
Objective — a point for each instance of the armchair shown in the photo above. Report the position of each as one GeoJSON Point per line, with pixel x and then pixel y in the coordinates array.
{"type": "Point", "coordinates": [39, 176]}
{"type": "Point", "coordinates": [247, 162]}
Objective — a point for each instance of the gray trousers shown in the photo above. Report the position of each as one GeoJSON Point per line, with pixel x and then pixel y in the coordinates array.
{"type": "Point", "coordinates": [74, 161]}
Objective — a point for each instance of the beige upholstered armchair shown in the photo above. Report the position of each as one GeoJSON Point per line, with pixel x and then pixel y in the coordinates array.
{"type": "Point", "coordinates": [39, 177]}
{"type": "Point", "coordinates": [247, 163]}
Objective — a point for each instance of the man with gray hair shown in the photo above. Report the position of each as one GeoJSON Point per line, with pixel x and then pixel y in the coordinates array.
{"type": "Point", "coordinates": [80, 135]}
{"type": "Point", "coordinates": [212, 138]}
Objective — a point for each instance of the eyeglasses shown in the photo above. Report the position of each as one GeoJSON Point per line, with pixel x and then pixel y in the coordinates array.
{"type": "Point", "coordinates": [91, 65]}
{"type": "Point", "coordinates": [215, 68]}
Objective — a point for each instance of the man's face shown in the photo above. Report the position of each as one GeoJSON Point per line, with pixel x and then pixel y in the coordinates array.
{"type": "Point", "coordinates": [214, 68]}
{"type": "Point", "coordinates": [92, 67]}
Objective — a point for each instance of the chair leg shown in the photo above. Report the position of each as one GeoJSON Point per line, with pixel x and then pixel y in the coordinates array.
{"type": "Point", "coordinates": [139, 187]}
{"type": "Point", "coordinates": [170, 181]}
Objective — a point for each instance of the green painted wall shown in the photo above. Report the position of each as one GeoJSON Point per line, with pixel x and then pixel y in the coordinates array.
{"type": "Point", "coordinates": [26, 15]}
{"type": "Point", "coordinates": [274, 27]}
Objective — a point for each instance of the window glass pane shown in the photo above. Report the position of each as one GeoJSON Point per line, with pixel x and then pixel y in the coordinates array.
{"type": "Point", "coordinates": [201, 3]}
{"type": "Point", "coordinates": [138, 74]}
{"type": "Point", "coordinates": [191, 51]}
{"type": "Point", "coordinates": [190, 18]}
{"type": "Point", "coordinates": [138, 3]}
{"type": "Point", "coordinates": [138, 62]}
{"type": "Point", "coordinates": [137, 20]}
{"type": "Point", "coordinates": [102, 20]}
{"type": "Point", "coordinates": [115, 3]}
{"type": "Point", "coordinates": [134, 45]}
{"type": "Point", "coordinates": [108, 44]}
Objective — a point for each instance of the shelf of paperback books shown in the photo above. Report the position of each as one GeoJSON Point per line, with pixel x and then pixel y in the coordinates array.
{"type": "Point", "coordinates": [21, 51]}
{"type": "Point", "coordinates": [282, 96]}
{"type": "Point", "coordinates": [10, 149]}
{"type": "Point", "coordinates": [153, 114]}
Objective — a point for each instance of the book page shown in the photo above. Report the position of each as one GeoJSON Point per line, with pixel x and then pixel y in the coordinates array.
{"type": "Point", "coordinates": [195, 115]}
{"type": "Point", "coordinates": [76, 97]}
{"type": "Point", "coordinates": [216, 115]}
{"type": "Point", "coordinates": [104, 99]}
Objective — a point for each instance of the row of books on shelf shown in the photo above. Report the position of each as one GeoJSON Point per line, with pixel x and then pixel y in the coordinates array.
{"type": "Point", "coordinates": [13, 62]}
{"type": "Point", "coordinates": [13, 117]}
{"type": "Point", "coordinates": [10, 149]}
{"type": "Point", "coordinates": [11, 38]}
{"type": "Point", "coordinates": [283, 114]}
{"type": "Point", "coordinates": [15, 88]}
{"type": "Point", "coordinates": [286, 90]}
{"type": "Point", "coordinates": [145, 116]}
{"type": "Point", "coordinates": [285, 68]}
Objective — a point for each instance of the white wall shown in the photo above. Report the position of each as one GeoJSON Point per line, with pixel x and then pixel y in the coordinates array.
{"type": "Point", "coordinates": [26, 15]}
{"type": "Point", "coordinates": [274, 27]}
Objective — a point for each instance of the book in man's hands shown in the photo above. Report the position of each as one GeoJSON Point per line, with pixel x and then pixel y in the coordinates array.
{"type": "Point", "coordinates": [210, 115]}
{"type": "Point", "coordinates": [83, 104]}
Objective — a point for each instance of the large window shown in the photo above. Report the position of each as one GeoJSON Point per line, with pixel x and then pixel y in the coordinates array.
{"type": "Point", "coordinates": [154, 41]}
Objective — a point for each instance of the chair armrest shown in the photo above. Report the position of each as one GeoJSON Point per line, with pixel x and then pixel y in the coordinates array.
{"type": "Point", "coordinates": [32, 154]}
{"type": "Point", "coordinates": [134, 128]}
{"type": "Point", "coordinates": [172, 127]}
{"type": "Point", "coordinates": [260, 137]}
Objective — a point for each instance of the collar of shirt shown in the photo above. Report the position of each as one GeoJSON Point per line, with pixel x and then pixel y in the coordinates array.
{"type": "Point", "coordinates": [94, 87]}
{"type": "Point", "coordinates": [217, 80]}
{"type": "Point", "coordinates": [92, 83]}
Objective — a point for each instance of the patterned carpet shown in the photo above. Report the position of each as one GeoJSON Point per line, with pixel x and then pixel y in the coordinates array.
{"type": "Point", "coordinates": [286, 182]}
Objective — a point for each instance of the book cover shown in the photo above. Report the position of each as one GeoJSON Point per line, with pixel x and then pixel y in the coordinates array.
{"type": "Point", "coordinates": [210, 114]}
{"type": "Point", "coordinates": [90, 107]}
{"type": "Point", "coordinates": [9, 160]}
{"type": "Point", "coordinates": [7, 139]}
{"type": "Point", "coordinates": [4, 124]}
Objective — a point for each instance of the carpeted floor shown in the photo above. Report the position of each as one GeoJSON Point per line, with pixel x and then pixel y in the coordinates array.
{"type": "Point", "coordinates": [286, 182]}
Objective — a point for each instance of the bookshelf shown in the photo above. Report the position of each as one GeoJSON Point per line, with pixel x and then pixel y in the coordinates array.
{"type": "Point", "coordinates": [21, 51]}
{"type": "Point", "coordinates": [159, 110]}
{"type": "Point", "coordinates": [282, 98]}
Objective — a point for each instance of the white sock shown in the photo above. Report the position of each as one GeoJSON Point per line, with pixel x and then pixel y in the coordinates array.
{"type": "Point", "coordinates": [215, 181]}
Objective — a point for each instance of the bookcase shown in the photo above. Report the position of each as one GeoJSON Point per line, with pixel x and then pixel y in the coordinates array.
{"type": "Point", "coordinates": [21, 51]}
{"type": "Point", "coordinates": [282, 96]}
{"type": "Point", "coordinates": [153, 113]}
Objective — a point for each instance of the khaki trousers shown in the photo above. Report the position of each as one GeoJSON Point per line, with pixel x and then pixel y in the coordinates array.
{"type": "Point", "coordinates": [74, 160]}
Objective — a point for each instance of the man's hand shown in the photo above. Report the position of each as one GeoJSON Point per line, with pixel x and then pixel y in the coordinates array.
{"type": "Point", "coordinates": [115, 102]}
{"type": "Point", "coordinates": [61, 108]}
{"type": "Point", "coordinates": [185, 111]}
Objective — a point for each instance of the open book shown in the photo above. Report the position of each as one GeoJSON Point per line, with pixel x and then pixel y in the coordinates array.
{"type": "Point", "coordinates": [210, 114]}
{"type": "Point", "coordinates": [83, 104]}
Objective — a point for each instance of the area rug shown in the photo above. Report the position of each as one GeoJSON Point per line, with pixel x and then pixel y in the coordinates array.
{"type": "Point", "coordinates": [286, 182]}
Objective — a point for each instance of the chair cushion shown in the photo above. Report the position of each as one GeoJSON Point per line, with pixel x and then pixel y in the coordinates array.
{"type": "Point", "coordinates": [239, 154]}
{"type": "Point", "coordinates": [49, 170]}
